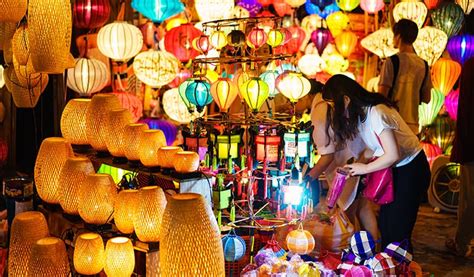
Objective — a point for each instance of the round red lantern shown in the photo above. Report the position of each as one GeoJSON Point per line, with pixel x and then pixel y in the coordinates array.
{"type": "Point", "coordinates": [132, 103]}
{"type": "Point", "coordinates": [298, 36]}
{"type": "Point", "coordinates": [179, 41]}
{"type": "Point", "coordinates": [257, 37]}
{"type": "Point", "coordinates": [202, 44]}
{"type": "Point", "coordinates": [3, 151]}
{"type": "Point", "coordinates": [431, 150]}
{"type": "Point", "coordinates": [91, 14]}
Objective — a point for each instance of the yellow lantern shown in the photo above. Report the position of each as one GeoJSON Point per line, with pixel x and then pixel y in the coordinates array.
{"type": "Point", "coordinates": [149, 213]}
{"type": "Point", "coordinates": [124, 210]}
{"type": "Point", "coordinates": [218, 39]}
{"type": "Point", "coordinates": [412, 10]}
{"type": "Point", "coordinates": [207, 73]}
{"type": "Point", "coordinates": [119, 40]}
{"type": "Point", "coordinates": [150, 142]}
{"type": "Point", "coordinates": [346, 42]}
{"type": "Point", "coordinates": [210, 10]}
{"type": "Point", "coordinates": [444, 74]}
{"type": "Point", "coordinates": [175, 22]}
{"type": "Point", "coordinates": [311, 64]}
{"type": "Point", "coordinates": [347, 5]}
{"type": "Point", "coordinates": [98, 193]}
{"type": "Point", "coordinates": [300, 241]}
{"type": "Point", "coordinates": [242, 76]}
{"type": "Point", "coordinates": [335, 63]}
{"type": "Point", "coordinates": [295, 3]}
{"type": "Point", "coordinates": [166, 156]}
{"type": "Point", "coordinates": [87, 76]}
{"type": "Point", "coordinates": [131, 138]}
{"type": "Point", "coordinates": [466, 5]}
{"type": "Point", "coordinates": [73, 121]}
{"type": "Point", "coordinates": [430, 44]}
{"type": "Point", "coordinates": [89, 254]}
{"type": "Point", "coordinates": [337, 22]}
{"type": "Point", "coordinates": [293, 85]}
{"type": "Point", "coordinates": [224, 92]}
{"type": "Point", "coordinates": [115, 123]}
{"type": "Point", "coordinates": [380, 43]}
{"type": "Point", "coordinates": [275, 38]}
{"type": "Point", "coordinates": [312, 22]}
{"type": "Point", "coordinates": [48, 258]}
{"type": "Point", "coordinates": [255, 92]}
{"type": "Point", "coordinates": [96, 117]}
{"type": "Point", "coordinates": [156, 68]}
{"type": "Point", "coordinates": [119, 257]}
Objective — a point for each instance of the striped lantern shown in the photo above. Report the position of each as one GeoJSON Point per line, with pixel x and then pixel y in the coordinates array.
{"type": "Point", "coordinates": [444, 74]}
{"type": "Point", "coordinates": [448, 18]}
{"type": "Point", "coordinates": [87, 76]}
{"type": "Point", "coordinates": [451, 104]}
{"type": "Point", "coordinates": [461, 47]}
{"type": "Point", "coordinates": [158, 10]}
{"type": "Point", "coordinates": [224, 92]}
{"type": "Point", "coordinates": [234, 247]}
{"type": "Point", "coordinates": [300, 241]}
{"type": "Point", "coordinates": [363, 246]}
{"type": "Point", "coordinates": [412, 10]}
{"type": "Point", "coordinates": [442, 132]}
{"type": "Point", "coordinates": [383, 265]}
{"type": "Point", "coordinates": [428, 112]}
{"type": "Point", "coordinates": [120, 40]}
{"type": "Point", "coordinates": [90, 14]}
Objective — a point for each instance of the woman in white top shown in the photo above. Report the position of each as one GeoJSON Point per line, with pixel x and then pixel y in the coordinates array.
{"type": "Point", "coordinates": [357, 112]}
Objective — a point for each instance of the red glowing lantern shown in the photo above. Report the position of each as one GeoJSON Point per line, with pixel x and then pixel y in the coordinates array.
{"type": "Point", "coordinates": [3, 151]}
{"type": "Point", "coordinates": [179, 41]}
{"type": "Point", "coordinates": [131, 103]}
{"type": "Point", "coordinates": [265, 3]}
{"type": "Point", "coordinates": [431, 4]}
{"type": "Point", "coordinates": [257, 37]}
{"type": "Point", "coordinates": [91, 14]}
{"type": "Point", "coordinates": [444, 74]}
{"type": "Point", "coordinates": [202, 44]}
{"type": "Point", "coordinates": [298, 36]}
{"type": "Point", "coordinates": [431, 150]}
{"type": "Point", "coordinates": [267, 148]}
{"type": "Point", "coordinates": [281, 7]}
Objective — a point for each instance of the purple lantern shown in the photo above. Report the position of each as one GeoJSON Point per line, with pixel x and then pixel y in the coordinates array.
{"type": "Point", "coordinates": [451, 104]}
{"type": "Point", "coordinates": [461, 47]}
{"type": "Point", "coordinates": [168, 128]}
{"type": "Point", "coordinates": [252, 6]}
{"type": "Point", "coordinates": [321, 37]}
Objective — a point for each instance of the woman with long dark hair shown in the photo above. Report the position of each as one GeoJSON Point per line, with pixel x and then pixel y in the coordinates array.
{"type": "Point", "coordinates": [357, 112]}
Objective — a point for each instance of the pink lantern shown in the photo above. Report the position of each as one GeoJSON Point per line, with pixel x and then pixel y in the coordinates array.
{"type": "Point", "coordinates": [372, 6]}
{"type": "Point", "coordinates": [257, 37]}
{"type": "Point", "coordinates": [132, 103]}
{"type": "Point", "coordinates": [451, 104]}
{"type": "Point", "coordinates": [432, 151]}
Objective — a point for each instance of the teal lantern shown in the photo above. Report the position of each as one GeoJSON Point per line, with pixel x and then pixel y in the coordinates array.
{"type": "Point", "coordinates": [270, 77]}
{"type": "Point", "coordinates": [182, 93]}
{"type": "Point", "coordinates": [448, 18]}
{"type": "Point", "coordinates": [234, 247]}
{"type": "Point", "coordinates": [158, 10]}
{"type": "Point", "coordinates": [297, 143]}
{"type": "Point", "coordinates": [198, 93]}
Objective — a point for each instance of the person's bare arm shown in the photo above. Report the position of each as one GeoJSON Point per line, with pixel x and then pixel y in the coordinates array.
{"type": "Point", "coordinates": [321, 166]}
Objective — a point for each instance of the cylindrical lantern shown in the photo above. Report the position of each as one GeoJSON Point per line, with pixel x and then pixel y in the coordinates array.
{"type": "Point", "coordinates": [448, 18]}
{"type": "Point", "coordinates": [90, 14]}
{"type": "Point", "coordinates": [293, 85]}
{"type": "Point", "coordinates": [158, 11]}
{"type": "Point", "coordinates": [337, 22]}
{"type": "Point", "coordinates": [179, 41]}
{"type": "Point", "coordinates": [300, 241]}
{"type": "Point", "coordinates": [210, 10]}
{"type": "Point", "coordinates": [131, 137]}
{"type": "Point", "coordinates": [97, 199]}
{"type": "Point", "coordinates": [198, 93]}
{"type": "Point", "coordinates": [12, 10]}
{"type": "Point", "coordinates": [166, 156]}
{"type": "Point", "coordinates": [347, 5]}
{"type": "Point", "coordinates": [119, 40]}
{"type": "Point", "coordinates": [89, 254]}
{"type": "Point", "coordinates": [167, 127]}
{"type": "Point", "coordinates": [257, 37]}
{"type": "Point", "coordinates": [444, 75]}
{"type": "Point", "coordinates": [26, 229]}
{"type": "Point", "coordinates": [150, 142]}
{"type": "Point", "coordinates": [346, 42]}
{"type": "Point", "coordinates": [255, 91]}
{"type": "Point", "coordinates": [275, 38]}
{"type": "Point", "coordinates": [115, 123]}
{"type": "Point", "coordinates": [155, 68]}
{"type": "Point", "coordinates": [52, 156]}
{"type": "Point", "coordinates": [451, 103]}
{"type": "Point", "coordinates": [132, 103]}
{"type": "Point", "coordinates": [411, 10]}
{"type": "Point", "coordinates": [461, 47]}
{"type": "Point", "coordinates": [227, 145]}
{"type": "Point", "coordinates": [432, 151]}
{"type": "Point", "coordinates": [186, 162]}
{"type": "Point", "coordinates": [149, 213]}
{"type": "Point", "coordinates": [48, 258]}
{"type": "Point", "coordinates": [190, 243]}
{"type": "Point", "coordinates": [73, 121]}
{"type": "Point", "coordinates": [218, 39]}
{"type": "Point", "coordinates": [119, 257]}
{"type": "Point", "coordinates": [372, 6]}
{"type": "Point", "coordinates": [73, 175]}
{"type": "Point", "coordinates": [224, 92]}
{"type": "Point", "coordinates": [234, 247]}
{"type": "Point", "coordinates": [124, 210]}
{"type": "Point", "coordinates": [96, 118]}
{"type": "Point", "coordinates": [428, 112]}
{"type": "Point", "coordinates": [269, 77]}
{"type": "Point", "coordinates": [267, 148]}
{"type": "Point", "coordinates": [87, 76]}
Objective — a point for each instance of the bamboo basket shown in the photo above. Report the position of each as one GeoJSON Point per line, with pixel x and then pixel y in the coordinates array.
{"type": "Point", "coordinates": [73, 121]}
{"type": "Point", "coordinates": [20, 44]}
{"type": "Point", "coordinates": [119, 257]}
{"type": "Point", "coordinates": [48, 258]}
{"type": "Point", "coordinates": [25, 95]}
{"type": "Point", "coordinates": [150, 142]}
{"type": "Point", "coordinates": [131, 138]}
{"type": "Point", "coordinates": [7, 30]}
{"type": "Point", "coordinates": [89, 254]}
{"type": "Point", "coordinates": [149, 213]}
{"type": "Point", "coordinates": [115, 123]}
{"type": "Point", "coordinates": [97, 199]}
{"type": "Point", "coordinates": [12, 10]}
{"type": "Point", "coordinates": [124, 210]}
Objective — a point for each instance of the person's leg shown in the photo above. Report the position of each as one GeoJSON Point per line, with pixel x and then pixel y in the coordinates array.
{"type": "Point", "coordinates": [465, 228]}
{"type": "Point", "coordinates": [367, 217]}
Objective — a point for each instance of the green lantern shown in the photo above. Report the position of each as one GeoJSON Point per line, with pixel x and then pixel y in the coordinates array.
{"type": "Point", "coordinates": [448, 18]}
{"type": "Point", "coordinates": [442, 132]}
{"type": "Point", "coordinates": [428, 112]}
{"type": "Point", "coordinates": [255, 92]}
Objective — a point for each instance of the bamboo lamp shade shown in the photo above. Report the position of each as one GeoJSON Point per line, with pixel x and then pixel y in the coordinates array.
{"type": "Point", "coordinates": [26, 229]}
{"type": "Point", "coordinates": [91, 14]}
{"type": "Point", "coordinates": [89, 254]}
{"type": "Point", "coordinates": [186, 162]}
{"type": "Point", "coordinates": [116, 121]}
{"type": "Point", "coordinates": [131, 137]}
{"type": "Point", "coordinates": [190, 242]}
{"type": "Point", "coordinates": [51, 158]}
{"type": "Point", "coordinates": [87, 76]}
{"type": "Point", "coordinates": [125, 205]}
{"type": "Point", "coordinates": [96, 118]}
{"type": "Point", "coordinates": [72, 176]}
{"type": "Point", "coordinates": [156, 68]}
{"type": "Point", "coordinates": [12, 10]}
{"type": "Point", "coordinates": [50, 29]}
{"type": "Point", "coordinates": [7, 30]}
{"type": "Point", "coordinates": [73, 121]}
{"type": "Point", "coordinates": [119, 257]}
{"type": "Point", "coordinates": [149, 213]}
{"type": "Point", "coordinates": [119, 40]}
{"type": "Point", "coordinates": [20, 44]}
{"type": "Point", "coordinates": [48, 258]}
{"type": "Point", "coordinates": [150, 142]}
{"type": "Point", "coordinates": [24, 96]}
{"type": "Point", "coordinates": [97, 198]}
{"type": "Point", "coordinates": [166, 156]}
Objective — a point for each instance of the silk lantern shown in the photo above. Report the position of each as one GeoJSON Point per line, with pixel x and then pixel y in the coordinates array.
{"type": "Point", "coordinates": [451, 104]}
{"type": "Point", "coordinates": [311, 64]}
{"type": "Point", "coordinates": [281, 7]}
{"type": "Point", "coordinates": [52, 156]}
{"type": "Point", "coordinates": [448, 18]}
{"type": "Point", "coordinates": [321, 38]}
{"type": "Point", "coordinates": [90, 14]}
{"type": "Point", "coordinates": [119, 41]}
{"type": "Point", "coordinates": [130, 102]}
{"type": "Point", "coordinates": [335, 63]}
{"type": "Point", "coordinates": [444, 74]}
{"type": "Point", "coordinates": [89, 254]}
{"type": "Point", "coordinates": [210, 10]}
{"type": "Point", "coordinates": [346, 42]}
{"type": "Point", "coordinates": [265, 3]}
{"type": "Point", "coordinates": [432, 151]}
{"type": "Point", "coordinates": [87, 76]}
{"type": "Point", "coordinates": [176, 109]}
{"type": "Point", "coordinates": [131, 136]}
{"type": "Point", "coordinates": [295, 3]}
{"type": "Point", "coordinates": [430, 44]}
{"type": "Point", "coordinates": [182, 75]}
{"type": "Point", "coordinates": [218, 39]}
{"type": "Point", "coordinates": [73, 121]}
{"type": "Point", "coordinates": [275, 38]}
{"type": "Point", "coordinates": [155, 68]}
{"type": "Point", "coordinates": [124, 210]}
{"type": "Point", "coordinates": [252, 6]}
{"type": "Point", "coordinates": [431, 4]}
{"type": "Point", "coordinates": [466, 5]}
{"type": "Point", "coordinates": [182, 93]}
{"type": "Point", "coordinates": [380, 43]}
{"type": "Point", "coordinates": [257, 37]}
{"type": "Point", "coordinates": [149, 213]}
{"type": "Point", "coordinates": [328, 10]}
{"type": "Point", "coordinates": [158, 11]}
{"type": "Point", "coordinates": [48, 258]}
{"type": "Point", "coordinates": [461, 47]}
{"type": "Point", "coordinates": [202, 44]}
{"type": "Point", "coordinates": [224, 92]}
{"type": "Point", "coordinates": [372, 6]}
{"type": "Point", "coordinates": [412, 10]}
{"type": "Point", "coordinates": [441, 132]}
{"type": "Point", "coordinates": [179, 41]}
{"type": "Point", "coordinates": [269, 77]}
{"type": "Point", "coordinates": [428, 112]}
{"type": "Point", "coordinates": [98, 194]}
{"type": "Point", "coordinates": [254, 91]}
{"type": "Point", "coordinates": [313, 22]}
{"type": "Point", "coordinates": [234, 247]}
{"type": "Point", "coordinates": [150, 142]}
{"type": "Point", "coordinates": [337, 22]}
{"type": "Point", "coordinates": [298, 37]}
{"type": "Point", "coordinates": [293, 86]}
{"type": "Point", "coordinates": [198, 94]}
{"type": "Point", "coordinates": [115, 123]}
{"type": "Point", "coordinates": [300, 241]}
{"type": "Point", "coordinates": [119, 257]}
{"type": "Point", "coordinates": [347, 5]}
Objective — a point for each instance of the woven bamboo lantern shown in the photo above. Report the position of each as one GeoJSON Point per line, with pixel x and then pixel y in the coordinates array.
{"type": "Point", "coordinates": [224, 92]}
{"type": "Point", "coordinates": [26, 229]}
{"type": "Point", "coordinates": [24, 96]}
{"type": "Point", "coordinates": [412, 10]}
{"type": "Point", "coordinates": [51, 158]}
{"type": "Point", "coordinates": [445, 73]}
{"type": "Point", "coordinates": [119, 40]}
{"type": "Point", "coordinates": [150, 142]}
{"type": "Point", "coordinates": [190, 244]}
{"type": "Point", "coordinates": [97, 199]}
{"type": "Point", "coordinates": [12, 10]}
{"type": "Point", "coordinates": [91, 14]}
{"type": "Point", "coordinates": [89, 254]}
{"type": "Point", "coordinates": [186, 162]}
{"type": "Point", "coordinates": [124, 212]}
{"type": "Point", "coordinates": [73, 121]}
{"type": "Point", "coordinates": [20, 44]}
{"type": "Point", "coordinates": [116, 121]}
{"type": "Point", "coordinates": [149, 213]}
{"type": "Point", "coordinates": [156, 68]}
{"type": "Point", "coordinates": [131, 137]}
{"type": "Point", "coordinates": [119, 257]}
{"type": "Point", "coordinates": [166, 156]}
{"type": "Point", "coordinates": [87, 76]}
{"type": "Point", "coordinates": [430, 44]}
{"type": "Point", "coordinates": [96, 118]}
{"type": "Point", "coordinates": [48, 258]}
{"type": "Point", "coordinates": [7, 30]}
{"type": "Point", "coordinates": [346, 42]}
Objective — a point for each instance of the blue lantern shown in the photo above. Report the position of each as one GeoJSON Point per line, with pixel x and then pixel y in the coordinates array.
{"type": "Point", "coordinates": [461, 47]}
{"type": "Point", "coordinates": [322, 3]}
{"type": "Point", "coordinates": [315, 9]}
{"type": "Point", "coordinates": [234, 247]}
{"type": "Point", "coordinates": [198, 93]}
{"type": "Point", "coordinates": [158, 10]}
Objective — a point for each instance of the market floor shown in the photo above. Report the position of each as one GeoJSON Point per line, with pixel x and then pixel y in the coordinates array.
{"type": "Point", "coordinates": [429, 236]}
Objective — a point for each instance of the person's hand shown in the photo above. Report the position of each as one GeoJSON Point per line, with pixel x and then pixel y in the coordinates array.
{"type": "Point", "coordinates": [356, 169]}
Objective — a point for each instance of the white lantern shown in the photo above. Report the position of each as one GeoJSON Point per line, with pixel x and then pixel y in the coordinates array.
{"type": "Point", "coordinates": [380, 43]}
{"type": "Point", "coordinates": [2, 81]}
{"type": "Point", "coordinates": [156, 68]}
{"type": "Point", "coordinates": [311, 64]}
{"type": "Point", "coordinates": [87, 76]}
{"type": "Point", "coordinates": [335, 63]}
{"type": "Point", "coordinates": [176, 109]}
{"type": "Point", "coordinates": [311, 23]}
{"type": "Point", "coordinates": [430, 44]}
{"type": "Point", "coordinates": [466, 5]}
{"type": "Point", "coordinates": [120, 40]}
{"type": "Point", "coordinates": [295, 3]}
{"type": "Point", "coordinates": [210, 10]}
{"type": "Point", "coordinates": [412, 10]}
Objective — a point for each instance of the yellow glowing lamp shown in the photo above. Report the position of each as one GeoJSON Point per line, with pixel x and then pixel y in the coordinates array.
{"type": "Point", "coordinates": [430, 44]}
{"type": "Point", "coordinates": [208, 73]}
{"type": "Point", "coordinates": [337, 22]}
{"type": "Point", "coordinates": [346, 42]}
{"type": "Point", "coordinates": [335, 63]}
{"type": "Point", "coordinates": [224, 92]}
{"type": "Point", "coordinates": [255, 92]}
{"type": "Point", "coordinates": [218, 39]}
{"type": "Point", "coordinates": [347, 5]}
{"type": "Point", "coordinates": [295, 3]}
{"type": "Point", "coordinates": [275, 38]}
{"type": "Point", "coordinates": [412, 10]}
{"type": "Point", "coordinates": [444, 74]}
{"type": "Point", "coordinates": [119, 257]}
{"type": "Point", "coordinates": [293, 85]}
{"type": "Point", "coordinates": [175, 22]}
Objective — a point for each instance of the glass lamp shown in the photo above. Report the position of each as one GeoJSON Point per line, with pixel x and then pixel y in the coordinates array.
{"type": "Point", "coordinates": [73, 121]}
{"type": "Point", "coordinates": [98, 193]}
{"type": "Point", "coordinates": [119, 40]}
{"type": "Point", "coordinates": [119, 257]}
{"type": "Point", "coordinates": [124, 210]}
{"type": "Point", "coordinates": [149, 212]}
{"type": "Point", "coordinates": [150, 142]}
{"type": "Point", "coordinates": [115, 123]}
{"type": "Point", "coordinates": [131, 138]}
{"type": "Point", "coordinates": [48, 258]}
{"type": "Point", "coordinates": [89, 254]}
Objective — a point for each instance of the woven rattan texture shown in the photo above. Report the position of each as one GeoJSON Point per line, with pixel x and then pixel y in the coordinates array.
{"type": "Point", "coordinates": [125, 205]}
{"type": "Point", "coordinates": [48, 258]}
{"type": "Point", "coordinates": [115, 123]}
{"type": "Point", "coordinates": [96, 117]}
{"type": "Point", "coordinates": [89, 254]}
{"type": "Point", "coordinates": [98, 193]}
{"type": "Point", "coordinates": [132, 134]}
{"type": "Point", "coordinates": [73, 121]}
{"type": "Point", "coordinates": [149, 213]}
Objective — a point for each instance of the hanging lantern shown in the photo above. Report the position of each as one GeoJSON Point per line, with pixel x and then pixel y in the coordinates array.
{"type": "Point", "coordinates": [73, 121]}
{"type": "Point", "coordinates": [293, 85]}
{"type": "Point", "coordinates": [313, 22]}
{"type": "Point", "coordinates": [311, 64]}
{"type": "Point", "coordinates": [275, 38]}
{"type": "Point", "coordinates": [90, 14]}
{"type": "Point", "coordinates": [176, 109]}
{"type": "Point", "coordinates": [466, 5]}
{"type": "Point", "coordinates": [182, 76]}
{"type": "Point", "coordinates": [461, 47]}
{"type": "Point", "coordinates": [218, 40]}
{"type": "Point", "coordinates": [430, 44]}
{"type": "Point", "coordinates": [269, 77]}
{"type": "Point", "coordinates": [155, 68]}
{"type": "Point", "coordinates": [182, 93]}
{"type": "Point", "coordinates": [432, 151]}
{"type": "Point", "coordinates": [198, 94]}
{"type": "Point", "coordinates": [428, 112]}
{"type": "Point", "coordinates": [132, 103]}
{"type": "Point", "coordinates": [346, 42]}
{"type": "Point", "coordinates": [297, 143]}
{"type": "Point", "coordinates": [119, 257]}
{"type": "Point", "coordinates": [265, 3]}
{"type": "Point", "coordinates": [252, 6]}
{"type": "Point", "coordinates": [337, 22]}
{"type": "Point", "coordinates": [380, 43]}
{"type": "Point", "coordinates": [234, 247]}
{"type": "Point", "coordinates": [12, 10]}
{"type": "Point", "coordinates": [372, 6]}
{"type": "Point", "coordinates": [451, 104]}
{"type": "Point", "coordinates": [119, 40]}
{"type": "Point", "coordinates": [150, 142]}
{"type": "Point", "coordinates": [448, 18]}
{"type": "Point", "coordinates": [347, 5]}
{"type": "Point", "coordinates": [179, 41]}
{"type": "Point", "coordinates": [158, 11]}
{"type": "Point", "coordinates": [444, 75]}
{"type": "Point", "coordinates": [431, 4]}
{"type": "Point", "coordinates": [300, 241]}
{"type": "Point", "coordinates": [257, 37]}
{"type": "Point", "coordinates": [224, 92]}
{"type": "Point", "coordinates": [335, 63]}
{"type": "Point", "coordinates": [97, 198]}
{"type": "Point", "coordinates": [236, 38]}
{"type": "Point", "coordinates": [267, 148]}
{"type": "Point", "coordinates": [321, 38]}
{"type": "Point", "coordinates": [441, 132]}
{"type": "Point", "coordinates": [87, 76]}
{"type": "Point", "coordinates": [254, 91]}
{"type": "Point", "coordinates": [227, 145]}
{"type": "Point", "coordinates": [323, 12]}
{"type": "Point", "coordinates": [295, 3]}
{"type": "Point", "coordinates": [89, 254]}
{"type": "Point", "coordinates": [242, 76]}
{"type": "Point", "coordinates": [281, 7]}
{"type": "Point", "coordinates": [210, 10]}
{"type": "Point", "coordinates": [149, 213]}
{"type": "Point", "coordinates": [132, 135]}
{"type": "Point", "coordinates": [298, 37]}
{"type": "Point", "coordinates": [202, 44]}
{"type": "Point", "coordinates": [207, 74]}
{"type": "Point", "coordinates": [186, 162]}
{"type": "Point", "coordinates": [412, 10]}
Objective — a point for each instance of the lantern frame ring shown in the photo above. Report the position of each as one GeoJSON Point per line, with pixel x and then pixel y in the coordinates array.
{"type": "Point", "coordinates": [235, 22]}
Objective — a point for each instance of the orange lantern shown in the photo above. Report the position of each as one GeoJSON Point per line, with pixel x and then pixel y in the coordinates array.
{"type": "Point", "coordinates": [300, 241]}
{"type": "Point", "coordinates": [298, 36]}
{"type": "Point", "coordinates": [431, 150]}
{"type": "Point", "coordinates": [431, 4]}
{"type": "Point", "coordinates": [444, 74]}
{"type": "Point", "coordinates": [257, 37]}
{"type": "Point", "coordinates": [224, 92]}
{"type": "Point", "coordinates": [281, 7]}
{"type": "Point", "coordinates": [346, 43]}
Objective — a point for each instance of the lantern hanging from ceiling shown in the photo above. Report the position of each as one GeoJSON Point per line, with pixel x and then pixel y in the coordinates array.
{"type": "Point", "coordinates": [89, 254]}
{"type": "Point", "coordinates": [321, 38]}
{"type": "Point", "coordinates": [295, 3]}
{"type": "Point", "coordinates": [466, 5]}
{"type": "Point", "coordinates": [431, 4]}
{"type": "Point", "coordinates": [254, 91]}
{"type": "Point", "coordinates": [337, 22]}
{"type": "Point", "coordinates": [87, 76]}
{"type": "Point", "coordinates": [412, 10]}
{"type": "Point", "coordinates": [132, 135]}
{"type": "Point", "coordinates": [372, 6]}
{"type": "Point", "coordinates": [182, 76]}
{"type": "Point", "coordinates": [130, 102]}
{"type": "Point", "coordinates": [441, 132]}
{"type": "Point", "coordinates": [198, 94]}
{"type": "Point", "coordinates": [313, 22]}
{"type": "Point", "coordinates": [267, 147]}
{"type": "Point", "coordinates": [210, 10]}
{"type": "Point", "coordinates": [218, 39]}
{"type": "Point", "coordinates": [311, 64]}
{"type": "Point", "coordinates": [322, 3]}
{"type": "Point", "coordinates": [150, 142]}
{"type": "Point", "coordinates": [182, 93]}
{"type": "Point", "coordinates": [155, 68]}
{"type": "Point", "coordinates": [430, 44]}
{"type": "Point", "coordinates": [265, 3]}
{"type": "Point", "coordinates": [275, 38]}
{"type": "Point", "coordinates": [242, 76]}
{"type": "Point", "coordinates": [380, 43]}
{"type": "Point", "coordinates": [236, 38]}
{"type": "Point", "coordinates": [97, 198]}
{"type": "Point", "coordinates": [115, 122]}
{"type": "Point", "coordinates": [119, 257]}
{"type": "Point", "coordinates": [300, 241]}
{"type": "Point", "coordinates": [158, 11]}
{"type": "Point", "coordinates": [428, 112]}
{"type": "Point", "coordinates": [257, 37]}
{"type": "Point", "coordinates": [89, 14]}
{"type": "Point", "coordinates": [451, 104]}
{"type": "Point", "coordinates": [335, 63]}
{"type": "Point", "coordinates": [298, 37]}
{"type": "Point", "coordinates": [149, 213]}
{"type": "Point", "coordinates": [269, 77]}
{"type": "Point", "coordinates": [234, 247]}
{"type": "Point", "coordinates": [73, 121]}
{"type": "Point", "coordinates": [179, 41]}
{"type": "Point", "coordinates": [448, 18]}
{"type": "Point", "coordinates": [347, 5]}
{"type": "Point", "coordinates": [252, 6]}
{"type": "Point", "coordinates": [346, 42]}
{"type": "Point", "coordinates": [119, 40]}
{"type": "Point", "coordinates": [281, 7]}
{"type": "Point", "coordinates": [293, 85]}
{"type": "Point", "coordinates": [202, 44]}
{"type": "Point", "coordinates": [176, 109]}
{"type": "Point", "coordinates": [313, 9]}
{"type": "Point", "coordinates": [224, 92]}
{"type": "Point", "coordinates": [207, 74]}
{"type": "Point", "coordinates": [461, 47]}
{"type": "Point", "coordinates": [444, 75]}
{"type": "Point", "coordinates": [432, 151]}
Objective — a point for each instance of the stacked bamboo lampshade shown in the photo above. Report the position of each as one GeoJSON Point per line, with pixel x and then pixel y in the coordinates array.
{"type": "Point", "coordinates": [150, 142]}
{"type": "Point", "coordinates": [73, 121]}
{"type": "Point", "coordinates": [190, 243]}
{"type": "Point", "coordinates": [7, 30]}
{"type": "Point", "coordinates": [116, 121]}
{"type": "Point", "coordinates": [12, 10]}
{"type": "Point", "coordinates": [89, 254]}
{"type": "Point", "coordinates": [51, 158]}
{"type": "Point", "coordinates": [27, 228]}
{"type": "Point", "coordinates": [131, 137]}
{"type": "Point", "coordinates": [48, 258]}
{"type": "Point", "coordinates": [125, 205]}
{"type": "Point", "coordinates": [166, 156]}
{"type": "Point", "coordinates": [186, 161]}
{"type": "Point", "coordinates": [72, 176]}
{"type": "Point", "coordinates": [149, 213]}
{"type": "Point", "coordinates": [119, 257]}
{"type": "Point", "coordinates": [25, 95]}
{"type": "Point", "coordinates": [98, 194]}
{"type": "Point", "coordinates": [96, 118]}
